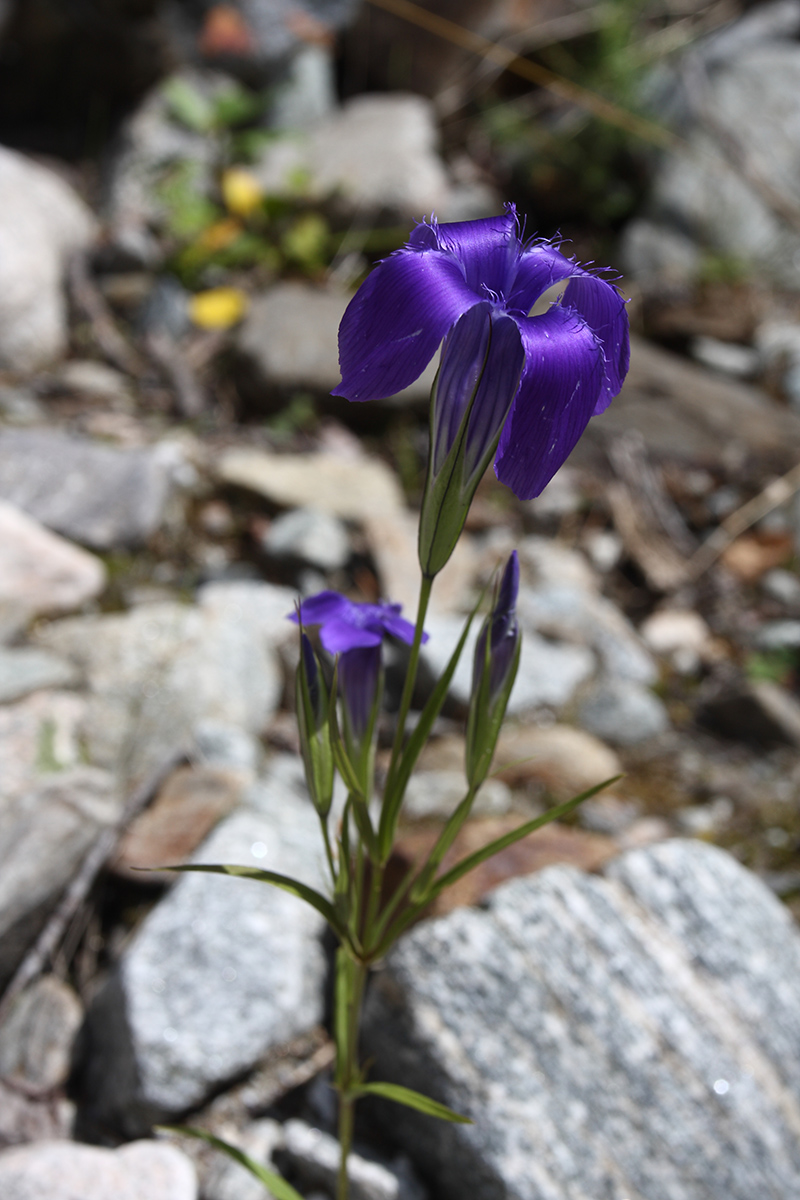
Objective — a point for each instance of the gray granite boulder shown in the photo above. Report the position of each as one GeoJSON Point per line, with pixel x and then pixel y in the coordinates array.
{"type": "Point", "coordinates": [220, 972]}
{"type": "Point", "coordinates": [633, 1036]}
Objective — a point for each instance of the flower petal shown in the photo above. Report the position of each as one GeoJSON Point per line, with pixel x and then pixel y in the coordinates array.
{"type": "Point", "coordinates": [538, 268]}
{"type": "Point", "coordinates": [400, 628]}
{"type": "Point", "coordinates": [563, 378]}
{"type": "Point", "coordinates": [604, 311]}
{"type": "Point", "coordinates": [339, 635]}
{"type": "Point", "coordinates": [462, 366]}
{"type": "Point", "coordinates": [487, 250]}
{"type": "Point", "coordinates": [397, 319]}
{"type": "Point", "coordinates": [322, 607]}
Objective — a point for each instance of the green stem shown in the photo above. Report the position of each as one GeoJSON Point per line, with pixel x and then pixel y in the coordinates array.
{"type": "Point", "coordinates": [326, 837]}
{"type": "Point", "coordinates": [347, 1068]}
{"type": "Point", "coordinates": [411, 675]}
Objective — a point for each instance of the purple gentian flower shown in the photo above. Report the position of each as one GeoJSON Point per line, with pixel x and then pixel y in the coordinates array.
{"type": "Point", "coordinates": [474, 284]}
{"type": "Point", "coordinates": [355, 632]}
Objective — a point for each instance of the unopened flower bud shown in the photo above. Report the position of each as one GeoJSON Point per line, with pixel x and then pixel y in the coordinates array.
{"type": "Point", "coordinates": [494, 671]}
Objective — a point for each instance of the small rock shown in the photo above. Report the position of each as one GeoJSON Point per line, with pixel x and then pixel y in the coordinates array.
{"type": "Point", "coordinates": [290, 339]}
{"type": "Point", "coordinates": [100, 495]}
{"type": "Point", "coordinates": [37, 1036]}
{"type": "Point", "coordinates": [578, 615]}
{"type": "Point", "coordinates": [40, 573]}
{"type": "Point", "coordinates": [730, 359]}
{"type": "Point", "coordinates": [222, 970]}
{"type": "Point", "coordinates": [26, 669]}
{"type": "Point", "coordinates": [378, 152]}
{"type": "Point", "coordinates": [438, 794]}
{"type": "Point", "coordinates": [315, 1157]}
{"type": "Point", "coordinates": [622, 712]}
{"type": "Point", "coordinates": [549, 672]}
{"type": "Point", "coordinates": [783, 586]}
{"type": "Point", "coordinates": [226, 747]}
{"type": "Point", "coordinates": [680, 634]}
{"type": "Point", "coordinates": [43, 223]}
{"type": "Point", "coordinates": [760, 713]}
{"type": "Point", "coordinates": [184, 812]}
{"type": "Point", "coordinates": [45, 835]}
{"type": "Point", "coordinates": [778, 635]}
{"type": "Point", "coordinates": [69, 1171]}
{"type": "Point", "coordinates": [312, 536]}
{"type": "Point", "coordinates": [608, 814]}
{"type": "Point", "coordinates": [662, 260]}
{"type": "Point", "coordinates": [346, 489]}
{"type": "Point", "coordinates": [94, 379]}
{"type": "Point", "coordinates": [564, 759]}
{"type": "Point", "coordinates": [630, 1035]}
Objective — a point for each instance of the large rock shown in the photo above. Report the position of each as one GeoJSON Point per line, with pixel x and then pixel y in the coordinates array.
{"type": "Point", "coordinates": [56, 1170]}
{"type": "Point", "coordinates": [41, 573]}
{"type": "Point", "coordinates": [220, 972]}
{"type": "Point", "coordinates": [45, 834]}
{"type": "Point", "coordinates": [42, 223]}
{"type": "Point", "coordinates": [100, 495]}
{"type": "Point", "coordinates": [634, 1035]}
{"type": "Point", "coordinates": [378, 152]}
{"type": "Point", "coordinates": [160, 670]}
{"type": "Point", "coordinates": [732, 184]}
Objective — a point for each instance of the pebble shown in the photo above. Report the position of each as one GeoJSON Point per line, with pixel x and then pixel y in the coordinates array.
{"type": "Point", "coordinates": [564, 759]}
{"type": "Point", "coordinates": [310, 536]}
{"type": "Point", "coordinates": [438, 793]}
{"type": "Point", "coordinates": [623, 712]}
{"type": "Point", "coordinates": [37, 1036]}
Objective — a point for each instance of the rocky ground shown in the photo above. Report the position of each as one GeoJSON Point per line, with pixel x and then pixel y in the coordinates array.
{"type": "Point", "coordinates": [613, 1000]}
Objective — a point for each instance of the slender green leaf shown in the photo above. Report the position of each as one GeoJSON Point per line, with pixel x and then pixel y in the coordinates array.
{"type": "Point", "coordinates": [552, 814]}
{"type": "Point", "coordinates": [278, 1186]}
{"type": "Point", "coordinates": [407, 917]}
{"type": "Point", "coordinates": [284, 882]}
{"type": "Point", "coordinates": [396, 785]}
{"type": "Point", "coordinates": [412, 1099]}
{"type": "Point", "coordinates": [341, 1012]}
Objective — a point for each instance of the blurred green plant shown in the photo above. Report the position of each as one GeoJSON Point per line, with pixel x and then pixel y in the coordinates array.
{"type": "Point", "coordinates": [772, 666]}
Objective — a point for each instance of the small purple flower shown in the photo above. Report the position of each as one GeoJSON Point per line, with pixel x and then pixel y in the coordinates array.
{"type": "Point", "coordinates": [355, 632]}
{"type": "Point", "coordinates": [536, 380]}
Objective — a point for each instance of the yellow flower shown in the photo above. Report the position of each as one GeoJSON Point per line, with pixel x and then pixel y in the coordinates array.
{"type": "Point", "coordinates": [218, 308]}
{"type": "Point", "coordinates": [241, 191]}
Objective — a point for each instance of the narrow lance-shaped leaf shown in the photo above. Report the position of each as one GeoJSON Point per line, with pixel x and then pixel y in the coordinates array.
{"type": "Point", "coordinates": [284, 882]}
{"type": "Point", "coordinates": [277, 1185]}
{"type": "Point", "coordinates": [396, 785]}
{"type": "Point", "coordinates": [468, 864]}
{"type": "Point", "coordinates": [412, 1099]}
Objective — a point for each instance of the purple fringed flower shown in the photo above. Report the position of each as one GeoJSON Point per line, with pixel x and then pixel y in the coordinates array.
{"type": "Point", "coordinates": [539, 379]}
{"type": "Point", "coordinates": [355, 632]}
